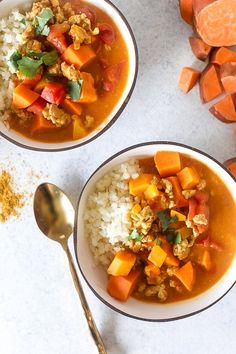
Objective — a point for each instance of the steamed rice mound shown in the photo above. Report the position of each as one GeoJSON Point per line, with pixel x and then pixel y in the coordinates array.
{"type": "Point", "coordinates": [106, 215]}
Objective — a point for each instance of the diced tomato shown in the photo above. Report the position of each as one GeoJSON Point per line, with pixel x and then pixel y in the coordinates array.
{"type": "Point", "coordinates": [192, 208]}
{"type": "Point", "coordinates": [103, 63]}
{"type": "Point", "coordinates": [37, 106]}
{"type": "Point", "coordinates": [57, 40]}
{"type": "Point", "coordinates": [88, 12]}
{"type": "Point", "coordinates": [54, 93]}
{"type": "Point", "coordinates": [202, 197]}
{"type": "Point", "coordinates": [111, 76]}
{"type": "Point", "coordinates": [32, 82]}
{"type": "Point", "coordinates": [207, 242]}
{"type": "Point", "coordinates": [106, 33]}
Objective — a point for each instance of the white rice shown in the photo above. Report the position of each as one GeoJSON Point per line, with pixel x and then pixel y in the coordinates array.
{"type": "Point", "coordinates": [10, 36]}
{"type": "Point", "coordinates": [106, 214]}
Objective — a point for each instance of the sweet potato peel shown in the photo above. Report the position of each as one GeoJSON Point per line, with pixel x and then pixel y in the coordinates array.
{"type": "Point", "coordinates": [224, 110]}
{"type": "Point", "coordinates": [200, 49]}
{"type": "Point", "coordinates": [186, 10]}
{"type": "Point", "coordinates": [210, 85]}
{"type": "Point", "coordinates": [216, 23]}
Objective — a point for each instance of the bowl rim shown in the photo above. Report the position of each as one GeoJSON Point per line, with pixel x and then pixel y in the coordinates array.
{"type": "Point", "coordinates": [75, 236]}
{"type": "Point", "coordinates": [115, 117]}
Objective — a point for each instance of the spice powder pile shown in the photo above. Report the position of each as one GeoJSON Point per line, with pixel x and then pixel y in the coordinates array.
{"type": "Point", "coordinates": [10, 201]}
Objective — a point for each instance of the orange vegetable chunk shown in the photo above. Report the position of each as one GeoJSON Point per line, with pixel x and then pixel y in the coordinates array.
{"type": "Point", "coordinates": [198, 5]}
{"type": "Point", "coordinates": [78, 57]}
{"type": "Point", "coordinates": [187, 275]}
{"type": "Point", "coordinates": [171, 260]}
{"type": "Point", "coordinates": [167, 163]}
{"type": "Point", "coordinates": [231, 165]}
{"type": "Point", "coordinates": [188, 178]}
{"type": "Point", "coordinates": [188, 78]}
{"type": "Point", "coordinates": [186, 10]}
{"type": "Point", "coordinates": [152, 271]}
{"type": "Point", "coordinates": [79, 130]}
{"type": "Point", "coordinates": [122, 263]}
{"type": "Point", "coordinates": [88, 91]}
{"type": "Point", "coordinates": [23, 97]}
{"type": "Point", "coordinates": [138, 185]}
{"type": "Point", "coordinates": [200, 49]}
{"type": "Point", "coordinates": [210, 85]}
{"type": "Point", "coordinates": [121, 287]}
{"type": "Point", "coordinates": [228, 76]}
{"type": "Point", "coordinates": [41, 125]}
{"type": "Point", "coordinates": [224, 110]}
{"type": "Point", "coordinates": [151, 192]}
{"type": "Point", "coordinates": [72, 107]}
{"type": "Point", "coordinates": [177, 191]}
{"type": "Point", "coordinates": [216, 23]}
{"type": "Point", "coordinates": [202, 257]}
{"type": "Point", "coordinates": [157, 256]}
{"type": "Point", "coordinates": [223, 55]}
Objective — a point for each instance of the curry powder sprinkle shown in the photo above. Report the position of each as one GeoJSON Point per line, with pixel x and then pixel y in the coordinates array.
{"type": "Point", "coordinates": [10, 201]}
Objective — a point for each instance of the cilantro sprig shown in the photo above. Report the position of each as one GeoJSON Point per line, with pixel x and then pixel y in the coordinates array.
{"type": "Point", "coordinates": [28, 65]}
{"type": "Point", "coordinates": [40, 22]}
{"type": "Point", "coordinates": [135, 236]}
{"type": "Point", "coordinates": [74, 89]}
{"type": "Point", "coordinates": [166, 220]}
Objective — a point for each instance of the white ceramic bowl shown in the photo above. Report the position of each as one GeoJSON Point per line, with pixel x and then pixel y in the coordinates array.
{"type": "Point", "coordinates": [7, 5]}
{"type": "Point", "coordinates": [96, 277]}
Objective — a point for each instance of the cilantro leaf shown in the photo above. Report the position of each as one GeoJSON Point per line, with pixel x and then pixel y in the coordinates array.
{"type": "Point", "coordinates": [74, 88]}
{"type": "Point", "coordinates": [158, 242]}
{"type": "Point", "coordinates": [23, 21]}
{"type": "Point", "coordinates": [170, 235]}
{"type": "Point", "coordinates": [178, 238]}
{"type": "Point", "coordinates": [14, 58]}
{"type": "Point", "coordinates": [135, 236]}
{"type": "Point", "coordinates": [41, 21]}
{"type": "Point", "coordinates": [28, 66]}
{"type": "Point", "coordinates": [165, 219]}
{"type": "Point", "coordinates": [50, 58]}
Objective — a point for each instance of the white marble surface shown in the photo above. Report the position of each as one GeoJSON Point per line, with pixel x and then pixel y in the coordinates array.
{"type": "Point", "coordinates": [39, 308]}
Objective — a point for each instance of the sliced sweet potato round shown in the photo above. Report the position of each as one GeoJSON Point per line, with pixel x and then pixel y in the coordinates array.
{"type": "Point", "coordinates": [224, 110]}
{"type": "Point", "coordinates": [216, 23]}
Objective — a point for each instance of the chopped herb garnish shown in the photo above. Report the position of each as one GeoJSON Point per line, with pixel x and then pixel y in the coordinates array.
{"type": "Point", "coordinates": [28, 66]}
{"type": "Point", "coordinates": [135, 236]}
{"type": "Point", "coordinates": [50, 58]}
{"type": "Point", "coordinates": [40, 22]}
{"type": "Point", "coordinates": [74, 88]}
{"type": "Point", "coordinates": [170, 235]}
{"type": "Point", "coordinates": [14, 58]}
{"type": "Point", "coordinates": [178, 238]}
{"type": "Point", "coordinates": [158, 242]}
{"type": "Point", "coordinates": [23, 21]}
{"type": "Point", "coordinates": [165, 219]}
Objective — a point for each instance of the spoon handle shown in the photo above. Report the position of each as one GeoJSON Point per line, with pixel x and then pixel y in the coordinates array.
{"type": "Point", "coordinates": [92, 325]}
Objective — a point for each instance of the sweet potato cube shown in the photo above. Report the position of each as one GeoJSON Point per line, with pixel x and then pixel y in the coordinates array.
{"type": "Point", "coordinates": [170, 260]}
{"type": "Point", "coordinates": [228, 77]}
{"type": "Point", "coordinates": [167, 163]}
{"type": "Point", "coordinates": [223, 55]}
{"type": "Point", "coordinates": [188, 79]}
{"type": "Point", "coordinates": [122, 263]}
{"type": "Point", "coordinates": [88, 91]}
{"type": "Point", "coordinates": [180, 201]}
{"type": "Point", "coordinates": [187, 275]}
{"type": "Point", "coordinates": [157, 256]}
{"type": "Point", "coordinates": [151, 192]}
{"type": "Point", "coordinates": [224, 110]}
{"type": "Point", "coordinates": [185, 232]}
{"type": "Point", "coordinates": [136, 209]}
{"type": "Point", "coordinates": [188, 178]}
{"type": "Point", "coordinates": [200, 49]}
{"type": "Point", "coordinates": [180, 216]}
{"type": "Point", "coordinates": [72, 107]}
{"type": "Point", "coordinates": [41, 125]}
{"type": "Point", "coordinates": [79, 130]}
{"type": "Point", "coordinates": [78, 57]}
{"type": "Point", "coordinates": [202, 257]}
{"type": "Point", "coordinates": [23, 97]}
{"type": "Point", "coordinates": [210, 85]}
{"type": "Point", "coordinates": [138, 185]}
{"type": "Point", "coordinates": [122, 287]}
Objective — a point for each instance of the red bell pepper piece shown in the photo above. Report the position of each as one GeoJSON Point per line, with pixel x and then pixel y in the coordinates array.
{"type": "Point", "coordinates": [54, 93]}
{"type": "Point", "coordinates": [38, 106]}
{"type": "Point", "coordinates": [57, 39]}
{"type": "Point", "coordinates": [111, 76]}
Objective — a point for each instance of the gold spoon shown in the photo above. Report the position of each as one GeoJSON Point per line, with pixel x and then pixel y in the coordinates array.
{"type": "Point", "coordinates": [54, 215]}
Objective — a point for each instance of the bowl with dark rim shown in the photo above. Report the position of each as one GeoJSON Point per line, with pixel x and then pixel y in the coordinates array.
{"type": "Point", "coordinates": [118, 17]}
{"type": "Point", "coordinates": [96, 276]}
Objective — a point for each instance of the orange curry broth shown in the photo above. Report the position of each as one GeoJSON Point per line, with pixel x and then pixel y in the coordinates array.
{"type": "Point", "coordinates": [106, 102]}
{"type": "Point", "coordinates": [222, 229]}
